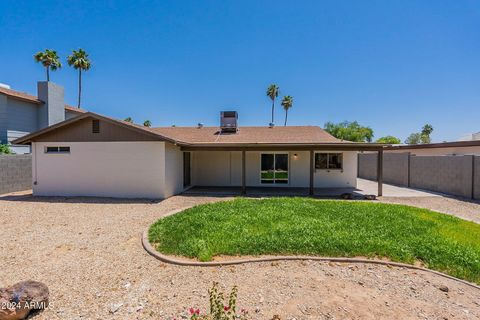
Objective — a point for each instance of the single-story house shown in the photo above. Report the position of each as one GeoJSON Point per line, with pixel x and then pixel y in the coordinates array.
{"type": "Point", "coordinates": [94, 155]}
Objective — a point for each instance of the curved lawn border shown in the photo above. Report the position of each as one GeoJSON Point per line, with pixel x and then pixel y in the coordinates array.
{"type": "Point", "coordinates": [188, 263]}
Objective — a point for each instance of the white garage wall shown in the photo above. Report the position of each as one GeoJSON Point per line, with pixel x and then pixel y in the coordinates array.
{"type": "Point", "coordinates": [102, 169]}
{"type": "Point", "coordinates": [224, 168]}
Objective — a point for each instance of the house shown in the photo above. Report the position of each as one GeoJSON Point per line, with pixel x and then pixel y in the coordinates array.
{"type": "Point", "coordinates": [94, 155]}
{"type": "Point", "coordinates": [456, 148]}
{"type": "Point", "coordinates": [22, 113]}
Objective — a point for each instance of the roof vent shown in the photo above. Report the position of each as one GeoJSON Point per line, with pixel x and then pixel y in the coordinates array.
{"type": "Point", "coordinates": [228, 121]}
{"type": "Point", "coordinates": [271, 125]}
{"type": "Point", "coordinates": [199, 125]}
{"type": "Point", "coordinates": [5, 86]}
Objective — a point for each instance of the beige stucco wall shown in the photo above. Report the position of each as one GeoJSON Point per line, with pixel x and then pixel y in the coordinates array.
{"type": "Point", "coordinates": [224, 168]}
{"type": "Point", "coordinates": [441, 151]}
{"type": "Point", "coordinates": [173, 170]}
{"type": "Point", "coordinates": [102, 169]}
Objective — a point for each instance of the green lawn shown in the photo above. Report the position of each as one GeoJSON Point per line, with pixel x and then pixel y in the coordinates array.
{"type": "Point", "coordinates": [305, 226]}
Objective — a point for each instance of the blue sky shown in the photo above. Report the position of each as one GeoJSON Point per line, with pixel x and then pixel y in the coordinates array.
{"type": "Point", "coordinates": [392, 65]}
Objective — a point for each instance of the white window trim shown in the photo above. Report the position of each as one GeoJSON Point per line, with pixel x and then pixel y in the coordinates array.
{"type": "Point", "coordinates": [327, 169]}
{"type": "Point", "coordinates": [273, 183]}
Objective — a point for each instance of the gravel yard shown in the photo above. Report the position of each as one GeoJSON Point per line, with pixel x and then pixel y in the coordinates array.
{"type": "Point", "coordinates": [88, 252]}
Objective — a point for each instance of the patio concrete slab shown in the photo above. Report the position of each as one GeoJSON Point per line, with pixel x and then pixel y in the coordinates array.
{"type": "Point", "coordinates": [363, 187]}
{"type": "Point", "coordinates": [370, 187]}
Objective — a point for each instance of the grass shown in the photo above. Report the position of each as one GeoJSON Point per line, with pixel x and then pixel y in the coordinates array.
{"type": "Point", "coordinates": [283, 226]}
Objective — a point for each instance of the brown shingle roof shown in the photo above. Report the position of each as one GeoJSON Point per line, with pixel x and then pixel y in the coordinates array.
{"type": "Point", "coordinates": [20, 95]}
{"type": "Point", "coordinates": [74, 109]}
{"type": "Point", "coordinates": [248, 135]}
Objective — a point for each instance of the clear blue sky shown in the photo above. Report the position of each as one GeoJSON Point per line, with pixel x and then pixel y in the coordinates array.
{"type": "Point", "coordinates": [392, 65]}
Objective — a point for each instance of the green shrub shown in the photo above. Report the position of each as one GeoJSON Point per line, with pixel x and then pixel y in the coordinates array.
{"type": "Point", "coordinates": [5, 149]}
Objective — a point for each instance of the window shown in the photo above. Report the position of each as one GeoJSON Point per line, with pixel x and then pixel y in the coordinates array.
{"type": "Point", "coordinates": [274, 168]}
{"type": "Point", "coordinates": [332, 161]}
{"type": "Point", "coordinates": [95, 126]}
{"type": "Point", "coordinates": [57, 149]}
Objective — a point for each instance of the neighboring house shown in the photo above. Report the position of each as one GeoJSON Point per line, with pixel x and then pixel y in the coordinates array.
{"type": "Point", "coordinates": [93, 155]}
{"type": "Point", "coordinates": [22, 113]}
{"type": "Point", "coordinates": [457, 148]}
{"type": "Point", "coordinates": [471, 136]}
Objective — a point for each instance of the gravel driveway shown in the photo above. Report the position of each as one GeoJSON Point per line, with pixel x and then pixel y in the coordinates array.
{"type": "Point", "coordinates": [88, 252]}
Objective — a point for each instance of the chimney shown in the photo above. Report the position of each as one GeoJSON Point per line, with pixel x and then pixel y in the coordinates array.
{"type": "Point", "coordinates": [228, 121]}
{"type": "Point", "coordinates": [53, 108]}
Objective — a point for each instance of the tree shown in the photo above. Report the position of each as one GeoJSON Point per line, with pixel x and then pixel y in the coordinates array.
{"type": "Point", "coordinates": [414, 138]}
{"type": "Point", "coordinates": [49, 59]}
{"type": "Point", "coordinates": [128, 119]}
{"type": "Point", "coordinates": [287, 103]}
{"type": "Point", "coordinates": [147, 123]}
{"type": "Point", "coordinates": [272, 93]}
{"type": "Point", "coordinates": [426, 132]}
{"type": "Point", "coordinates": [427, 129]}
{"type": "Point", "coordinates": [388, 140]}
{"type": "Point", "coordinates": [350, 131]}
{"type": "Point", "coordinates": [79, 61]}
{"type": "Point", "coordinates": [420, 137]}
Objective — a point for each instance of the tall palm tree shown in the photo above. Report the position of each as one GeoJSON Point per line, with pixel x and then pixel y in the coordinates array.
{"type": "Point", "coordinates": [49, 59]}
{"type": "Point", "coordinates": [79, 61]}
{"type": "Point", "coordinates": [147, 123]}
{"type": "Point", "coordinates": [272, 93]}
{"type": "Point", "coordinates": [287, 103]}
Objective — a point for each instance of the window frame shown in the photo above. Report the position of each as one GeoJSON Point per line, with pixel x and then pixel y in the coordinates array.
{"type": "Point", "coordinates": [274, 183]}
{"type": "Point", "coordinates": [328, 161]}
{"type": "Point", "coordinates": [58, 150]}
{"type": "Point", "coordinates": [95, 126]}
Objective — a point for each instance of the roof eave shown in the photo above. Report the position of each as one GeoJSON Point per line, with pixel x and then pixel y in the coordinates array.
{"type": "Point", "coordinates": [28, 139]}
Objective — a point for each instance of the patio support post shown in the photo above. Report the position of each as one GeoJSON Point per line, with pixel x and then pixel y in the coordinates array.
{"type": "Point", "coordinates": [244, 187]}
{"type": "Point", "coordinates": [312, 169]}
{"type": "Point", "coordinates": [380, 172]}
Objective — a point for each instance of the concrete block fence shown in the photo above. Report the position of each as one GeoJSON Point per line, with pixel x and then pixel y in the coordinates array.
{"type": "Point", "coordinates": [454, 175]}
{"type": "Point", "coordinates": [15, 172]}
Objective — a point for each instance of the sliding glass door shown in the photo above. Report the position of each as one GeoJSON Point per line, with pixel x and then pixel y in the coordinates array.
{"type": "Point", "coordinates": [274, 168]}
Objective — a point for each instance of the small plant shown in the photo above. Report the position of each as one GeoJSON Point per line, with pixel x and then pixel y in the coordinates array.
{"type": "Point", "coordinates": [5, 149]}
{"type": "Point", "coordinates": [218, 309]}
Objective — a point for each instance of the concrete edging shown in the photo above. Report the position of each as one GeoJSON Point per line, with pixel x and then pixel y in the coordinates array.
{"type": "Point", "coordinates": [183, 262]}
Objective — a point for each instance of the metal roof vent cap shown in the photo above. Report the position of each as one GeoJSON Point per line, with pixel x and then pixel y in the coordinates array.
{"type": "Point", "coordinates": [199, 125]}
{"type": "Point", "coordinates": [271, 125]}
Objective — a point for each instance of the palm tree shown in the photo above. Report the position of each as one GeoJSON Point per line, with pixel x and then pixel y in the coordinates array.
{"type": "Point", "coordinates": [147, 123]}
{"type": "Point", "coordinates": [79, 61]}
{"type": "Point", "coordinates": [287, 103]}
{"type": "Point", "coordinates": [128, 119]}
{"type": "Point", "coordinates": [272, 93]}
{"type": "Point", "coordinates": [49, 59]}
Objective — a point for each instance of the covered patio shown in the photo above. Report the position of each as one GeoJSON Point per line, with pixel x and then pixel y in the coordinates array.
{"type": "Point", "coordinates": [309, 186]}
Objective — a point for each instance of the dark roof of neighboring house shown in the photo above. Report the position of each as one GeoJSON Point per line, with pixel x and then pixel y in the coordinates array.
{"type": "Point", "coordinates": [454, 144]}
{"type": "Point", "coordinates": [20, 95]}
{"type": "Point", "coordinates": [29, 98]}
{"type": "Point", "coordinates": [210, 137]}
{"type": "Point", "coordinates": [213, 135]}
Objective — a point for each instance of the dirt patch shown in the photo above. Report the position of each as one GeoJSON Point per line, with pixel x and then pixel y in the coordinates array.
{"type": "Point", "coordinates": [88, 252]}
